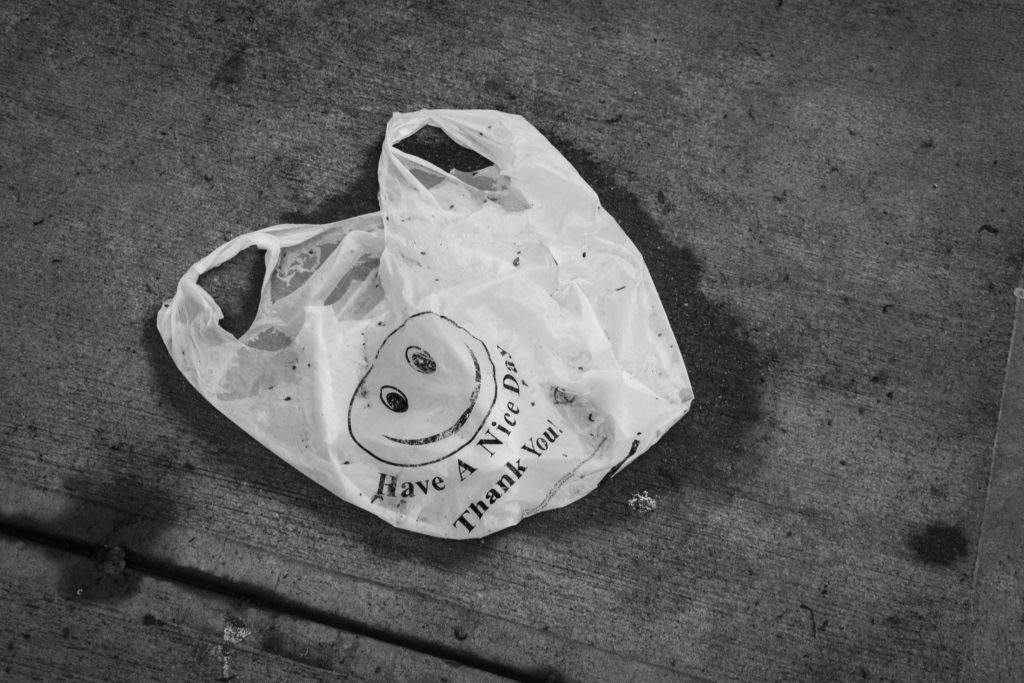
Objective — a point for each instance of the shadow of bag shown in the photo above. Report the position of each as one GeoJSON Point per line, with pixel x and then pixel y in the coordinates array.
{"type": "Point", "coordinates": [487, 346]}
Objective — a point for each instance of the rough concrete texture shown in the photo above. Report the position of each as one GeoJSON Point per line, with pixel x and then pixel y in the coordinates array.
{"type": "Point", "coordinates": [827, 195]}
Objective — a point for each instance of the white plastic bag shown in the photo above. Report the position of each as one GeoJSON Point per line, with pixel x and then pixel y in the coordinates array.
{"type": "Point", "coordinates": [488, 346]}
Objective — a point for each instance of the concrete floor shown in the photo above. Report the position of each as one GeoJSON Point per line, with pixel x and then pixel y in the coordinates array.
{"type": "Point", "coordinates": [827, 197]}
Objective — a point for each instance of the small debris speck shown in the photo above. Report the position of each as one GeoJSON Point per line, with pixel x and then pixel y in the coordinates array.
{"type": "Point", "coordinates": [235, 634]}
{"type": "Point", "coordinates": [642, 503]}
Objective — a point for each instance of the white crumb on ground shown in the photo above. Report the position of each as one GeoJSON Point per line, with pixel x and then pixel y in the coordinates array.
{"type": "Point", "coordinates": [642, 502]}
{"type": "Point", "coordinates": [235, 634]}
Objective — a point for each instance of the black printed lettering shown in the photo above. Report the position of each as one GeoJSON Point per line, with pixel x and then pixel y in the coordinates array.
{"type": "Point", "coordinates": [540, 443]}
{"type": "Point", "coordinates": [489, 440]}
{"type": "Point", "coordinates": [493, 495]}
{"type": "Point", "coordinates": [516, 469]}
{"type": "Point", "coordinates": [388, 483]}
{"type": "Point", "coordinates": [463, 521]}
{"type": "Point", "coordinates": [466, 470]}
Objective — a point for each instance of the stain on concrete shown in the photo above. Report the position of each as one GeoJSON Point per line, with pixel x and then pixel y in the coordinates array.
{"type": "Point", "coordinates": [105, 578]}
{"type": "Point", "coordinates": [665, 204]}
{"type": "Point", "coordinates": [502, 89]}
{"type": "Point", "coordinates": [938, 544]}
{"type": "Point", "coordinates": [150, 620]}
{"type": "Point", "coordinates": [114, 539]}
{"type": "Point", "coordinates": [231, 71]}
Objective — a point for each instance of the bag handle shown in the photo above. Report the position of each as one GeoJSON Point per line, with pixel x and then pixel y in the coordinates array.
{"type": "Point", "coordinates": [192, 317]}
{"type": "Point", "coordinates": [485, 132]}
{"type": "Point", "coordinates": [498, 136]}
{"type": "Point", "coordinates": [510, 141]}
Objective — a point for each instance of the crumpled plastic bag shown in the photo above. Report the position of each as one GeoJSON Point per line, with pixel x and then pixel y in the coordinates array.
{"type": "Point", "coordinates": [487, 346]}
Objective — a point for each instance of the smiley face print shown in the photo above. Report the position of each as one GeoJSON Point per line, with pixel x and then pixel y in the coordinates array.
{"type": "Point", "coordinates": [426, 395]}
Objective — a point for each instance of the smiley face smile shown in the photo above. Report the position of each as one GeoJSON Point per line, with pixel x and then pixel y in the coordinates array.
{"type": "Point", "coordinates": [426, 395]}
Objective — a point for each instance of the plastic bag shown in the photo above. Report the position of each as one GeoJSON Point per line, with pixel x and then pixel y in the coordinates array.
{"type": "Point", "coordinates": [488, 346]}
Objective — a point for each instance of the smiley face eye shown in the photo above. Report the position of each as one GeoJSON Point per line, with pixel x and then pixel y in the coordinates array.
{"type": "Point", "coordinates": [394, 399]}
{"type": "Point", "coordinates": [420, 360]}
